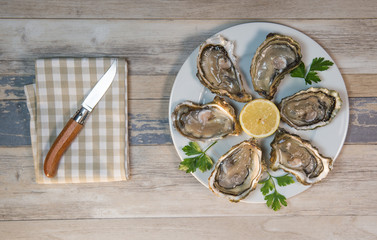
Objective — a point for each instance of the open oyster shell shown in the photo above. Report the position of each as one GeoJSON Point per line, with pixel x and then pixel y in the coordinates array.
{"type": "Point", "coordinates": [237, 172]}
{"type": "Point", "coordinates": [218, 70]}
{"type": "Point", "coordinates": [275, 57]}
{"type": "Point", "coordinates": [298, 157]}
{"type": "Point", "coordinates": [311, 108]}
{"type": "Point", "coordinates": [211, 121]}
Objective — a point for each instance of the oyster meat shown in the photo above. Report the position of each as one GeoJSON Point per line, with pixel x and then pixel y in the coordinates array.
{"type": "Point", "coordinates": [210, 121]}
{"type": "Point", "coordinates": [275, 57]}
{"type": "Point", "coordinates": [311, 108]}
{"type": "Point", "coordinates": [217, 69]}
{"type": "Point", "coordinates": [237, 172]}
{"type": "Point", "coordinates": [298, 157]}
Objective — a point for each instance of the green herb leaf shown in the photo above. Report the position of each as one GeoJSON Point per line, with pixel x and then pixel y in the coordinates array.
{"type": "Point", "coordinates": [320, 64]}
{"type": "Point", "coordinates": [192, 149]}
{"type": "Point", "coordinates": [269, 199]}
{"type": "Point", "coordinates": [201, 160]}
{"type": "Point", "coordinates": [312, 77]}
{"type": "Point", "coordinates": [284, 180]}
{"type": "Point", "coordinates": [205, 163]}
{"type": "Point", "coordinates": [299, 71]}
{"type": "Point", "coordinates": [275, 200]}
{"type": "Point", "coordinates": [268, 186]}
{"type": "Point", "coordinates": [188, 164]}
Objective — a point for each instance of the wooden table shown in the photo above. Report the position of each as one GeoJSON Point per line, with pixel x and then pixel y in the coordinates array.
{"type": "Point", "coordinates": [161, 202]}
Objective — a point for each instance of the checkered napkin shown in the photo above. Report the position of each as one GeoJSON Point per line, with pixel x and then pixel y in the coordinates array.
{"type": "Point", "coordinates": [100, 151]}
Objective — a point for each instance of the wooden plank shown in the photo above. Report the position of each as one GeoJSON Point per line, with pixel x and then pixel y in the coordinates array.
{"type": "Point", "coordinates": [14, 127]}
{"type": "Point", "coordinates": [291, 227]}
{"type": "Point", "coordinates": [12, 87]}
{"type": "Point", "coordinates": [158, 189]}
{"type": "Point", "coordinates": [362, 85]}
{"type": "Point", "coordinates": [149, 122]}
{"type": "Point", "coordinates": [239, 9]}
{"type": "Point", "coordinates": [159, 86]}
{"type": "Point", "coordinates": [159, 47]}
{"type": "Point", "coordinates": [363, 124]}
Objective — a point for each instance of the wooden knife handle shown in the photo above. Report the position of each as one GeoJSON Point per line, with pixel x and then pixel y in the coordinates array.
{"type": "Point", "coordinates": [62, 142]}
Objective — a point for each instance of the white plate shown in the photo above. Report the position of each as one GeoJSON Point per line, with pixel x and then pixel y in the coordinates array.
{"type": "Point", "coordinates": [329, 139]}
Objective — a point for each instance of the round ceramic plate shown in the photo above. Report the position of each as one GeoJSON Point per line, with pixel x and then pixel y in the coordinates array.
{"type": "Point", "coordinates": [247, 37]}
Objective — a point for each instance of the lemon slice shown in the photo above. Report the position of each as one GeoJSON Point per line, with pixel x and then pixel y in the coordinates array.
{"type": "Point", "coordinates": [260, 118]}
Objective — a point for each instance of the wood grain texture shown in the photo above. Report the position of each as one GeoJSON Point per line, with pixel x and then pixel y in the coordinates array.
{"type": "Point", "coordinates": [60, 145]}
{"type": "Point", "coordinates": [160, 86]}
{"type": "Point", "coordinates": [351, 43]}
{"type": "Point", "coordinates": [361, 85]}
{"type": "Point", "coordinates": [363, 123]}
{"type": "Point", "coordinates": [14, 123]}
{"type": "Point", "coordinates": [12, 87]}
{"type": "Point", "coordinates": [268, 228]}
{"type": "Point", "coordinates": [239, 9]}
{"type": "Point", "coordinates": [158, 189]}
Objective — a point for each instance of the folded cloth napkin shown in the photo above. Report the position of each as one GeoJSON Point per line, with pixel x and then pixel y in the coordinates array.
{"type": "Point", "coordinates": [100, 151]}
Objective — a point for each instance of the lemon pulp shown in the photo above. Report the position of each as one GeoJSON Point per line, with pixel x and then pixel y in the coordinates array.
{"type": "Point", "coordinates": [260, 118]}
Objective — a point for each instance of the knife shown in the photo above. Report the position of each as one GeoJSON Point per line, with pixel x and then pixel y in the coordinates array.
{"type": "Point", "coordinates": [77, 121]}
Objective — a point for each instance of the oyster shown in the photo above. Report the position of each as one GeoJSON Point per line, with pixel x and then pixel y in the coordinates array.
{"type": "Point", "coordinates": [217, 69]}
{"type": "Point", "coordinates": [275, 57]}
{"type": "Point", "coordinates": [210, 121]}
{"type": "Point", "coordinates": [237, 172]}
{"type": "Point", "coordinates": [311, 108]}
{"type": "Point", "coordinates": [298, 157]}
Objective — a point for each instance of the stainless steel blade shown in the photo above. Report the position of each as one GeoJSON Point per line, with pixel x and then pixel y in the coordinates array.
{"type": "Point", "coordinates": [100, 88]}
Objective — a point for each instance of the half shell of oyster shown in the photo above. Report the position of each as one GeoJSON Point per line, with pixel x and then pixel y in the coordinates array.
{"type": "Point", "coordinates": [237, 172]}
{"type": "Point", "coordinates": [218, 70]}
{"type": "Point", "coordinates": [275, 57]}
{"type": "Point", "coordinates": [298, 157]}
{"type": "Point", "coordinates": [210, 121]}
{"type": "Point", "coordinates": [311, 108]}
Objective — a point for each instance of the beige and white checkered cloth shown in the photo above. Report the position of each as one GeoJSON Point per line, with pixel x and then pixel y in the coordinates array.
{"type": "Point", "coordinates": [100, 151]}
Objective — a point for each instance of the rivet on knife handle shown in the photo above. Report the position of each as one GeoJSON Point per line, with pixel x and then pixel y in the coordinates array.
{"type": "Point", "coordinates": [75, 124]}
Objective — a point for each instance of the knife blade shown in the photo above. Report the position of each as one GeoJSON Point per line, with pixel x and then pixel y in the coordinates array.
{"type": "Point", "coordinates": [77, 121]}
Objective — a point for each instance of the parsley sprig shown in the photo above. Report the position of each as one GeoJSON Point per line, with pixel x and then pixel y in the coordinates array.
{"type": "Point", "coordinates": [318, 64]}
{"type": "Point", "coordinates": [274, 200]}
{"type": "Point", "coordinates": [201, 160]}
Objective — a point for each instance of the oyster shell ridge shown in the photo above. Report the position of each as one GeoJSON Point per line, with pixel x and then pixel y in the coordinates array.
{"type": "Point", "coordinates": [217, 102]}
{"type": "Point", "coordinates": [254, 182]}
{"type": "Point", "coordinates": [275, 164]}
{"type": "Point", "coordinates": [228, 46]}
{"type": "Point", "coordinates": [336, 107]}
{"type": "Point", "coordinates": [274, 38]}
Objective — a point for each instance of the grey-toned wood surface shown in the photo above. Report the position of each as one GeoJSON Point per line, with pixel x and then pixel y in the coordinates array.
{"type": "Point", "coordinates": [161, 202]}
